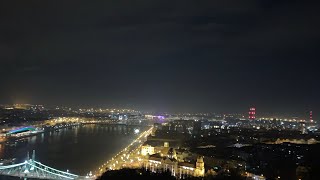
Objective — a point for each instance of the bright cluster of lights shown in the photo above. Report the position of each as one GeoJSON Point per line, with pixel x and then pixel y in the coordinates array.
{"type": "Point", "coordinates": [101, 110]}
{"type": "Point", "coordinates": [126, 154]}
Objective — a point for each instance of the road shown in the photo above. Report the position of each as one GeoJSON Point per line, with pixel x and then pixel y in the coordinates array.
{"type": "Point", "coordinates": [127, 157]}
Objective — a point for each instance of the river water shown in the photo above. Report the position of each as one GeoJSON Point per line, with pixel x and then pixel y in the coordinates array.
{"type": "Point", "coordinates": [80, 150]}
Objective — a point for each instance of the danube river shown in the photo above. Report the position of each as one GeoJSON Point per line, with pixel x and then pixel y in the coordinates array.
{"type": "Point", "coordinates": [80, 149]}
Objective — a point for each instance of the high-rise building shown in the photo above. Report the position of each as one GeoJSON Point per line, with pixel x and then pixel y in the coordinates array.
{"type": "Point", "coordinates": [252, 113]}
{"type": "Point", "coordinates": [311, 118]}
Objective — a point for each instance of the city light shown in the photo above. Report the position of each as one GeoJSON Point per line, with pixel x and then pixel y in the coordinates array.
{"type": "Point", "coordinates": [122, 157]}
{"type": "Point", "coordinates": [160, 90]}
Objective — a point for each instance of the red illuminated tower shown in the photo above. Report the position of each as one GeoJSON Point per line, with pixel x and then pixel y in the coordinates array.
{"type": "Point", "coordinates": [311, 118]}
{"type": "Point", "coordinates": [252, 113]}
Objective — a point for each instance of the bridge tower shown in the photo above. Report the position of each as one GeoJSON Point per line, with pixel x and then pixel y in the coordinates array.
{"type": "Point", "coordinates": [33, 155]}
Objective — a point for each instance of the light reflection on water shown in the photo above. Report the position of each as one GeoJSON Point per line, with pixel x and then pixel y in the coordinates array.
{"type": "Point", "coordinates": [80, 149]}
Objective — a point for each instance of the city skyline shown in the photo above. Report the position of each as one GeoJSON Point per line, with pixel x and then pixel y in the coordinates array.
{"type": "Point", "coordinates": [243, 114]}
{"type": "Point", "coordinates": [209, 57]}
{"type": "Point", "coordinates": [157, 89]}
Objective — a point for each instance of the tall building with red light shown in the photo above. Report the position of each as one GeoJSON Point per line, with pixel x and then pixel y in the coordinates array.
{"type": "Point", "coordinates": [311, 118]}
{"type": "Point", "coordinates": [252, 113]}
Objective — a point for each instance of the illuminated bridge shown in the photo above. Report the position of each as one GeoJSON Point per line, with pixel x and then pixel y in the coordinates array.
{"type": "Point", "coordinates": [35, 170]}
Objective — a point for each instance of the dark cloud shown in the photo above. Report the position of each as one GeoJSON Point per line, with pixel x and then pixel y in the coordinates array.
{"type": "Point", "coordinates": [167, 55]}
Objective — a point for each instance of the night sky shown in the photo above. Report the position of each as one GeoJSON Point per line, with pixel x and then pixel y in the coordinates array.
{"type": "Point", "coordinates": [208, 55]}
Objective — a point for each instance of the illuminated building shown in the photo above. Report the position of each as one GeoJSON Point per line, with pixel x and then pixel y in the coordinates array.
{"type": "Point", "coordinates": [147, 150]}
{"type": "Point", "coordinates": [21, 130]}
{"type": "Point", "coordinates": [177, 169]}
{"type": "Point", "coordinates": [165, 158]}
{"type": "Point", "coordinates": [24, 131]}
{"type": "Point", "coordinates": [252, 113]}
{"type": "Point", "coordinates": [166, 144]}
{"type": "Point", "coordinates": [150, 150]}
{"type": "Point", "coordinates": [22, 106]}
{"type": "Point", "coordinates": [199, 170]}
{"type": "Point", "coordinates": [311, 118]}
